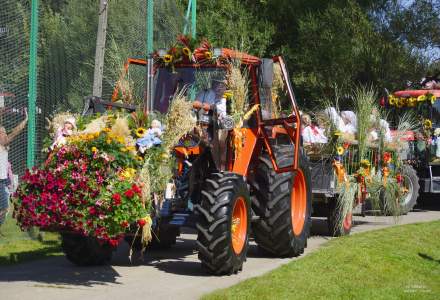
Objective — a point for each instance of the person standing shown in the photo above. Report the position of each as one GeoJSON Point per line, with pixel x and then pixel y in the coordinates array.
{"type": "Point", "coordinates": [5, 140]}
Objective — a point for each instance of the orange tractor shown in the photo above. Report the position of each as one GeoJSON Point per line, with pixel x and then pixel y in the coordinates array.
{"type": "Point", "coordinates": [227, 189]}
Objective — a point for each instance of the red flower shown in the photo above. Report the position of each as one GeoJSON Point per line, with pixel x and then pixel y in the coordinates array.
{"type": "Point", "coordinates": [142, 222]}
{"type": "Point", "coordinates": [129, 194]}
{"type": "Point", "coordinates": [116, 199]}
{"type": "Point", "coordinates": [399, 178]}
{"type": "Point", "coordinates": [124, 224]}
{"type": "Point", "coordinates": [136, 189]}
{"type": "Point", "coordinates": [92, 210]}
{"type": "Point", "coordinates": [113, 242]}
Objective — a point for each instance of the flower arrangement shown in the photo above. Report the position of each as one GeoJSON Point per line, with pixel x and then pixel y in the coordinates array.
{"type": "Point", "coordinates": [400, 102]}
{"type": "Point", "coordinates": [88, 186]}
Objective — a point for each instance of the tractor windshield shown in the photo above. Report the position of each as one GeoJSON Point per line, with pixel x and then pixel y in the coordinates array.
{"type": "Point", "coordinates": [167, 82]}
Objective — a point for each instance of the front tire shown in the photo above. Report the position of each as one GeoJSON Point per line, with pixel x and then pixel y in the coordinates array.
{"type": "Point", "coordinates": [223, 223]}
{"type": "Point", "coordinates": [283, 203]}
{"type": "Point", "coordinates": [85, 251]}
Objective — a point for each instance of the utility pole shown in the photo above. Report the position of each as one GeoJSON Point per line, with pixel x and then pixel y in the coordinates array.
{"type": "Point", "coordinates": [100, 48]}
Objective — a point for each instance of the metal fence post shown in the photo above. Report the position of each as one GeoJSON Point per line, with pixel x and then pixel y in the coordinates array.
{"type": "Point", "coordinates": [32, 97]}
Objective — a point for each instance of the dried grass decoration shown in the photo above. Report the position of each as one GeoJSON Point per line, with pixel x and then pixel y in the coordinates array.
{"type": "Point", "coordinates": [238, 82]}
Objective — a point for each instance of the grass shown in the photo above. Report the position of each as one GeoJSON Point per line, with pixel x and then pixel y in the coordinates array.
{"type": "Point", "coordinates": [401, 262]}
{"type": "Point", "coordinates": [16, 246]}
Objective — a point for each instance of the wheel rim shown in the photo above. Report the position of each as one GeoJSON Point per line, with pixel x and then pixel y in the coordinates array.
{"type": "Point", "coordinates": [407, 184]}
{"type": "Point", "coordinates": [239, 225]}
{"type": "Point", "coordinates": [347, 221]}
{"type": "Point", "coordinates": [298, 203]}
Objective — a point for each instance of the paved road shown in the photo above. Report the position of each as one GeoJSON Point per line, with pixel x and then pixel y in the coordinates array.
{"type": "Point", "coordinates": [171, 274]}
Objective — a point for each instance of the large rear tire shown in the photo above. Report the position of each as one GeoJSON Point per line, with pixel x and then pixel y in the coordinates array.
{"type": "Point", "coordinates": [283, 204]}
{"type": "Point", "coordinates": [85, 251]}
{"type": "Point", "coordinates": [411, 184]}
{"type": "Point", "coordinates": [223, 223]}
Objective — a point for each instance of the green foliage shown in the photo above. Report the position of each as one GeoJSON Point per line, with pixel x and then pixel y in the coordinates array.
{"type": "Point", "coordinates": [232, 23]}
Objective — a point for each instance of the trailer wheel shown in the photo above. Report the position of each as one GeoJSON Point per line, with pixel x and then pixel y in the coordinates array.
{"type": "Point", "coordinates": [411, 183]}
{"type": "Point", "coordinates": [283, 203]}
{"type": "Point", "coordinates": [223, 223]}
{"type": "Point", "coordinates": [333, 218]}
{"type": "Point", "coordinates": [85, 251]}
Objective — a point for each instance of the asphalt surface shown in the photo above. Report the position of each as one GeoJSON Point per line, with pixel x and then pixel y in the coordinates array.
{"type": "Point", "coordinates": [170, 274]}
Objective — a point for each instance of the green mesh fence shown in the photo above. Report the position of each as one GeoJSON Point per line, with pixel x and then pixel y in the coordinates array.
{"type": "Point", "coordinates": [66, 52]}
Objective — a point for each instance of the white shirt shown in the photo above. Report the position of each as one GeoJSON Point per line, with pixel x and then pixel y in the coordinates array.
{"type": "Point", "coordinates": [314, 136]}
{"type": "Point", "coordinates": [3, 163]}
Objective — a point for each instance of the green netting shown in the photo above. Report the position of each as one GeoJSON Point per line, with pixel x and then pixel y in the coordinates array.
{"type": "Point", "coordinates": [14, 61]}
{"type": "Point", "coordinates": [66, 50]}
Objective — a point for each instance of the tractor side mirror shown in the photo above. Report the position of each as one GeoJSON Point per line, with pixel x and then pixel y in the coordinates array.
{"type": "Point", "coordinates": [266, 69]}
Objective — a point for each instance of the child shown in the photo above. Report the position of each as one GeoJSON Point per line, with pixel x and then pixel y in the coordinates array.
{"type": "Point", "coordinates": [64, 132]}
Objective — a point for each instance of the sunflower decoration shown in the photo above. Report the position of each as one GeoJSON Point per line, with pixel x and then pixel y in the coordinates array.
{"type": "Point", "coordinates": [208, 55]}
{"type": "Point", "coordinates": [140, 132]}
{"type": "Point", "coordinates": [412, 102]}
{"type": "Point", "coordinates": [365, 163]}
{"type": "Point", "coordinates": [340, 150]}
{"type": "Point", "coordinates": [392, 101]}
{"type": "Point", "coordinates": [186, 51]}
{"type": "Point", "coordinates": [432, 99]}
{"type": "Point", "coordinates": [427, 124]}
{"type": "Point", "coordinates": [168, 58]}
{"type": "Point", "coordinates": [421, 98]}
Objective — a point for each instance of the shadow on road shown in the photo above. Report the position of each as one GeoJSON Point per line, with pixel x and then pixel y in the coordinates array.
{"type": "Point", "coordinates": [58, 271]}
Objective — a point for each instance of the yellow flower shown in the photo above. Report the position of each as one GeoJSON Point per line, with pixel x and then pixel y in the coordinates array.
{"type": "Point", "coordinates": [365, 164]}
{"type": "Point", "coordinates": [412, 102]}
{"type": "Point", "coordinates": [94, 149]}
{"type": "Point", "coordinates": [186, 51]}
{"type": "Point", "coordinates": [106, 129]}
{"type": "Point", "coordinates": [120, 139]}
{"type": "Point", "coordinates": [165, 156]}
{"type": "Point", "coordinates": [337, 133]}
{"type": "Point", "coordinates": [340, 150]}
{"type": "Point", "coordinates": [140, 132]}
{"type": "Point", "coordinates": [421, 98]}
{"type": "Point", "coordinates": [131, 148]}
{"type": "Point", "coordinates": [109, 141]}
{"type": "Point", "coordinates": [427, 124]}
{"type": "Point", "coordinates": [168, 58]}
{"type": "Point", "coordinates": [391, 100]}
{"type": "Point", "coordinates": [123, 149]}
{"type": "Point", "coordinates": [208, 55]}
{"type": "Point", "coordinates": [128, 173]}
{"type": "Point", "coordinates": [139, 158]}
{"type": "Point", "coordinates": [432, 99]}
{"type": "Point", "coordinates": [227, 95]}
